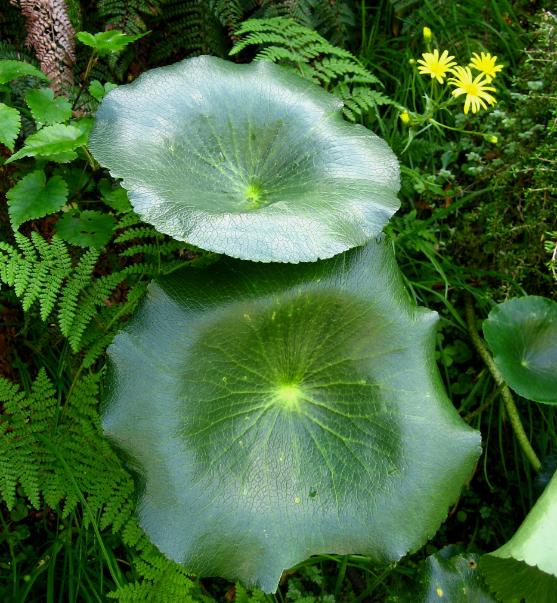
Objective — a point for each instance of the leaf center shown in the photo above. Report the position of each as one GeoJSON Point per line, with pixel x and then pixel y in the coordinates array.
{"type": "Point", "coordinates": [288, 396]}
{"type": "Point", "coordinates": [253, 195]}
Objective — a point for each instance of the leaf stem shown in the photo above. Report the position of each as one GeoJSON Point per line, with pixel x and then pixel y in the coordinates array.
{"type": "Point", "coordinates": [508, 400]}
{"type": "Point", "coordinates": [90, 64]}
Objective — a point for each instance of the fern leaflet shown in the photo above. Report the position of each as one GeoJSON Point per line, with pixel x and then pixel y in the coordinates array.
{"type": "Point", "coordinates": [304, 51]}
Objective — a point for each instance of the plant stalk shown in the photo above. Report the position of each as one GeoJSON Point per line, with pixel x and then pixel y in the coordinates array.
{"type": "Point", "coordinates": [506, 394]}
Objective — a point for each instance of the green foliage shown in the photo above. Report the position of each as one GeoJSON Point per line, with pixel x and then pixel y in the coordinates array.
{"type": "Point", "coordinates": [46, 109]}
{"type": "Point", "coordinates": [98, 90]}
{"type": "Point", "coordinates": [128, 15]}
{"type": "Point", "coordinates": [45, 273]}
{"type": "Point", "coordinates": [11, 70]}
{"type": "Point", "coordinates": [476, 217]}
{"type": "Point", "coordinates": [56, 143]}
{"type": "Point", "coordinates": [52, 449]}
{"type": "Point", "coordinates": [187, 28]}
{"type": "Point", "coordinates": [37, 433]}
{"type": "Point", "coordinates": [88, 228]}
{"type": "Point", "coordinates": [10, 124]}
{"type": "Point", "coordinates": [160, 580]}
{"type": "Point", "coordinates": [333, 19]}
{"type": "Point", "coordinates": [311, 56]}
{"type": "Point", "coordinates": [506, 230]}
{"type": "Point", "coordinates": [107, 42]}
{"type": "Point", "coordinates": [35, 197]}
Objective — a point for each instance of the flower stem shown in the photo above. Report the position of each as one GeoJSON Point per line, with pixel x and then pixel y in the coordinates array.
{"type": "Point", "coordinates": [508, 400]}
{"type": "Point", "coordinates": [437, 123]}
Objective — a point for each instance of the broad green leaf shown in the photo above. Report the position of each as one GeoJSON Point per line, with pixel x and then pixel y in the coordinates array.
{"type": "Point", "coordinates": [522, 334]}
{"type": "Point", "coordinates": [281, 411]}
{"type": "Point", "coordinates": [12, 70]}
{"type": "Point", "coordinates": [46, 109]}
{"type": "Point", "coordinates": [525, 568]}
{"type": "Point", "coordinates": [86, 229]}
{"type": "Point", "coordinates": [446, 576]}
{"type": "Point", "coordinates": [34, 197]}
{"type": "Point", "coordinates": [247, 160]}
{"type": "Point", "coordinates": [10, 124]}
{"type": "Point", "coordinates": [54, 142]}
{"type": "Point", "coordinates": [107, 42]}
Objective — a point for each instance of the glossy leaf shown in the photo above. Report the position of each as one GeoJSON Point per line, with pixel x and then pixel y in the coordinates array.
{"type": "Point", "coordinates": [247, 160]}
{"type": "Point", "coordinates": [277, 412]}
{"type": "Point", "coordinates": [86, 229]}
{"type": "Point", "coordinates": [13, 70]}
{"type": "Point", "coordinates": [525, 568]}
{"type": "Point", "coordinates": [10, 124]}
{"type": "Point", "coordinates": [446, 576]}
{"type": "Point", "coordinates": [35, 197]}
{"type": "Point", "coordinates": [45, 108]}
{"type": "Point", "coordinates": [522, 334]}
{"type": "Point", "coordinates": [54, 142]}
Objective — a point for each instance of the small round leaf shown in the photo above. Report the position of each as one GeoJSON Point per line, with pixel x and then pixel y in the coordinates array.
{"type": "Point", "coordinates": [275, 412]}
{"type": "Point", "coordinates": [247, 160]}
{"type": "Point", "coordinates": [522, 334]}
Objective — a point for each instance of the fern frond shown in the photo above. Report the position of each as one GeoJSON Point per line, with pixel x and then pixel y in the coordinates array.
{"type": "Point", "coordinates": [36, 270]}
{"type": "Point", "coordinates": [45, 272]}
{"type": "Point", "coordinates": [141, 232]}
{"type": "Point", "coordinates": [187, 28]}
{"type": "Point", "coordinates": [37, 432]}
{"type": "Point", "coordinates": [127, 15]}
{"type": "Point", "coordinates": [161, 580]}
{"type": "Point", "coordinates": [92, 297]}
{"type": "Point", "coordinates": [79, 280]}
{"type": "Point", "coordinates": [21, 454]}
{"type": "Point", "coordinates": [284, 41]}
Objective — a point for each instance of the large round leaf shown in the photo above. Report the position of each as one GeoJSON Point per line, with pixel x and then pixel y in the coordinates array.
{"type": "Point", "coordinates": [279, 411]}
{"type": "Point", "coordinates": [522, 334]}
{"type": "Point", "coordinates": [525, 568]}
{"type": "Point", "coordinates": [247, 160]}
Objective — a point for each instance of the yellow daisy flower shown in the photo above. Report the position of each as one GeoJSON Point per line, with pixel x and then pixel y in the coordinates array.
{"type": "Point", "coordinates": [485, 64]}
{"type": "Point", "coordinates": [435, 65]}
{"type": "Point", "coordinates": [475, 89]}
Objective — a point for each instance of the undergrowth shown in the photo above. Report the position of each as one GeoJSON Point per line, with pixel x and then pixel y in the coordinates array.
{"type": "Point", "coordinates": [477, 219]}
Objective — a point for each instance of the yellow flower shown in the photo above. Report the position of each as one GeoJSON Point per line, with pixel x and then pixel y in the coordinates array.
{"type": "Point", "coordinates": [435, 65]}
{"type": "Point", "coordinates": [485, 64]}
{"type": "Point", "coordinates": [427, 33]}
{"type": "Point", "coordinates": [404, 117]}
{"type": "Point", "coordinates": [475, 89]}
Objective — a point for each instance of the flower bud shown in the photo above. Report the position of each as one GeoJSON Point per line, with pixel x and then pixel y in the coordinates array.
{"type": "Point", "coordinates": [404, 117]}
{"type": "Point", "coordinates": [427, 33]}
